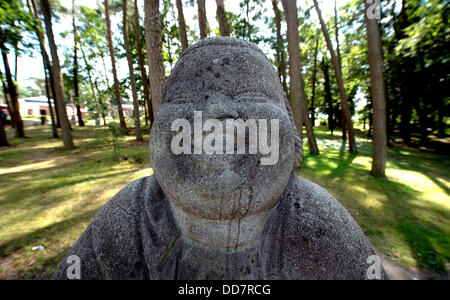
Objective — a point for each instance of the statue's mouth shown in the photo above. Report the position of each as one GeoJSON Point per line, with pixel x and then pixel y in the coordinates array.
{"type": "Point", "coordinates": [224, 184]}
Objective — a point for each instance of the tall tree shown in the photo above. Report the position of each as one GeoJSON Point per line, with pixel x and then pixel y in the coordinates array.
{"type": "Point", "coordinates": [222, 18]}
{"type": "Point", "coordinates": [379, 153]}
{"type": "Point", "coordinates": [336, 30]}
{"type": "Point", "coordinates": [297, 90]}
{"type": "Point", "coordinates": [314, 81]}
{"type": "Point", "coordinates": [338, 53]}
{"type": "Point", "coordinates": [3, 136]}
{"type": "Point", "coordinates": [93, 44]}
{"type": "Point", "coordinates": [7, 98]}
{"type": "Point", "coordinates": [340, 81]}
{"type": "Point", "coordinates": [281, 55]}
{"type": "Point", "coordinates": [14, 22]}
{"type": "Point", "coordinates": [12, 91]}
{"type": "Point", "coordinates": [136, 112]}
{"type": "Point", "coordinates": [182, 25]}
{"type": "Point", "coordinates": [328, 97]}
{"type": "Point", "coordinates": [76, 86]}
{"type": "Point", "coordinates": [59, 92]}
{"type": "Point", "coordinates": [141, 61]}
{"type": "Point", "coordinates": [202, 21]}
{"type": "Point", "coordinates": [47, 66]}
{"type": "Point", "coordinates": [154, 52]}
{"type": "Point", "coordinates": [100, 107]}
{"type": "Point", "coordinates": [50, 107]}
{"type": "Point", "coordinates": [123, 124]}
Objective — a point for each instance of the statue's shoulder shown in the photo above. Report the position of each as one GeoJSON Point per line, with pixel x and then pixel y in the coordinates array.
{"type": "Point", "coordinates": [137, 221]}
{"type": "Point", "coordinates": [310, 235]}
{"type": "Point", "coordinates": [110, 246]}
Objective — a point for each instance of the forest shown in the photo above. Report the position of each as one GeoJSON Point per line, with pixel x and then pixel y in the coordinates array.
{"type": "Point", "coordinates": [367, 81]}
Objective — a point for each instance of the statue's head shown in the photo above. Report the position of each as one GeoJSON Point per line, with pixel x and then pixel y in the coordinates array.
{"type": "Point", "coordinates": [222, 80]}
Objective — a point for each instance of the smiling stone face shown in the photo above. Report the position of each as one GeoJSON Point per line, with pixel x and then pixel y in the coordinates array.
{"type": "Point", "coordinates": [224, 79]}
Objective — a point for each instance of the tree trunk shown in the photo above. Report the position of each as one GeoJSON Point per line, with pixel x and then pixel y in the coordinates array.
{"type": "Point", "coordinates": [101, 102]}
{"type": "Point", "coordinates": [16, 56]}
{"type": "Point", "coordinates": [8, 100]}
{"type": "Point", "coordinates": [338, 52]}
{"type": "Point", "coordinates": [123, 124]}
{"type": "Point", "coordinates": [12, 91]}
{"type": "Point", "coordinates": [136, 112]}
{"type": "Point", "coordinates": [297, 91]}
{"type": "Point", "coordinates": [328, 97]}
{"type": "Point", "coordinates": [47, 66]}
{"type": "Point", "coordinates": [145, 114]}
{"type": "Point", "coordinates": [280, 47]}
{"type": "Point", "coordinates": [50, 108]}
{"type": "Point", "coordinates": [100, 109]}
{"type": "Point", "coordinates": [409, 96]}
{"type": "Point", "coordinates": [247, 23]}
{"type": "Point", "coordinates": [154, 52]}
{"type": "Point", "coordinates": [222, 18]}
{"type": "Point", "coordinates": [182, 25]}
{"type": "Point", "coordinates": [3, 137]}
{"type": "Point", "coordinates": [141, 61]}
{"type": "Point", "coordinates": [108, 86]}
{"type": "Point", "coordinates": [336, 28]}
{"type": "Point", "coordinates": [313, 97]}
{"type": "Point", "coordinates": [343, 96]}
{"type": "Point", "coordinates": [379, 152]}
{"type": "Point", "coordinates": [76, 87]}
{"type": "Point", "coordinates": [202, 21]}
{"type": "Point", "coordinates": [59, 92]}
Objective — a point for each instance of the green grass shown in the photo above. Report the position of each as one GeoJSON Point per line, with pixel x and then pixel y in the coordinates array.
{"type": "Point", "coordinates": [48, 196]}
{"type": "Point", "coordinates": [406, 215]}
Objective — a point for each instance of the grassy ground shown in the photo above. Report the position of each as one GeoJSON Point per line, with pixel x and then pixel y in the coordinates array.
{"type": "Point", "coordinates": [48, 196]}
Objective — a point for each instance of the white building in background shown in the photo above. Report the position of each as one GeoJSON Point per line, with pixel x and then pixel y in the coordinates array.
{"type": "Point", "coordinates": [38, 106]}
{"type": "Point", "coordinates": [128, 110]}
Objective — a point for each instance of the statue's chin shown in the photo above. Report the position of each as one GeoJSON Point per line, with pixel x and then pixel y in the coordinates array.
{"type": "Point", "coordinates": [226, 183]}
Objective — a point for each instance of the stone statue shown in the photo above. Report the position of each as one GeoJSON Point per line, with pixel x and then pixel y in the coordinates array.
{"type": "Point", "coordinates": [229, 216]}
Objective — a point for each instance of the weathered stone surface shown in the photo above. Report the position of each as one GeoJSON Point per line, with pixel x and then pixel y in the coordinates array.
{"type": "Point", "coordinates": [222, 216]}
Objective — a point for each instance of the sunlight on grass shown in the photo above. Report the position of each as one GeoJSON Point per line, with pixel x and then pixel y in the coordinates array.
{"type": "Point", "coordinates": [48, 197]}
{"type": "Point", "coordinates": [407, 215]}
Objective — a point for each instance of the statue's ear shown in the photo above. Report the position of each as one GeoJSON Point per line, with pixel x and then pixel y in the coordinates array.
{"type": "Point", "coordinates": [298, 145]}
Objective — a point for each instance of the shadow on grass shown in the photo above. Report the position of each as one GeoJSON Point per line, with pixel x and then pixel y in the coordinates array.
{"type": "Point", "coordinates": [420, 234]}
{"type": "Point", "coordinates": [32, 238]}
{"type": "Point", "coordinates": [427, 242]}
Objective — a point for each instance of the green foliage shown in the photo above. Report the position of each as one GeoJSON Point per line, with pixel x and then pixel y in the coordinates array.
{"type": "Point", "coordinates": [417, 49]}
{"type": "Point", "coordinates": [244, 25]}
{"type": "Point", "coordinates": [170, 34]}
{"type": "Point", "coordinates": [114, 138]}
{"type": "Point", "coordinates": [14, 22]}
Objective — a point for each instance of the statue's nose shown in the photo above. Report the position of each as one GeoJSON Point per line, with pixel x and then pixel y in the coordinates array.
{"type": "Point", "coordinates": [219, 106]}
